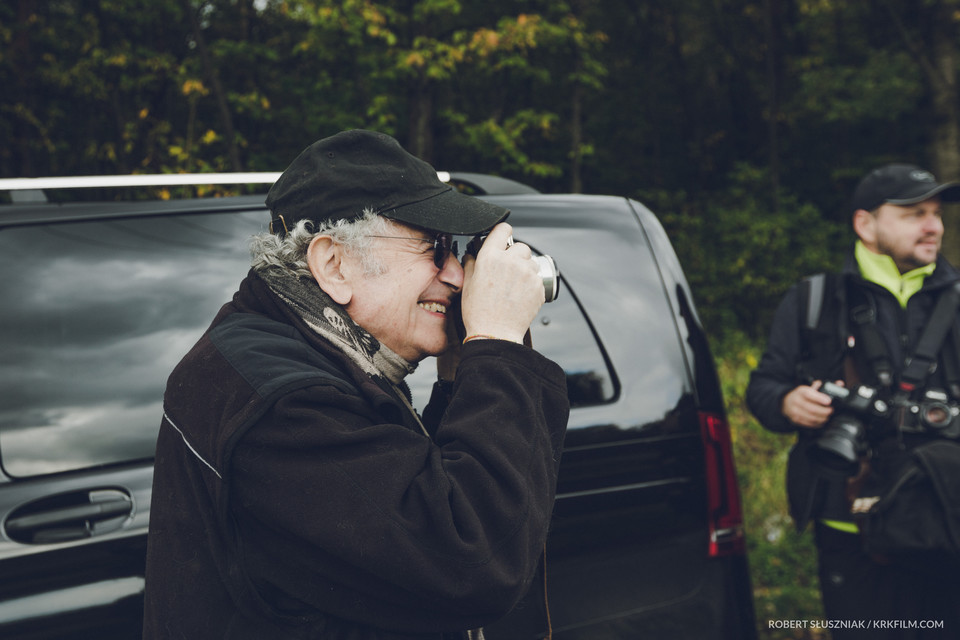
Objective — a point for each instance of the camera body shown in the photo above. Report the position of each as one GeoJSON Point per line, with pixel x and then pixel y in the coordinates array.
{"type": "Point", "coordinates": [933, 414]}
{"type": "Point", "coordinates": [546, 268]}
{"type": "Point", "coordinates": [861, 414]}
{"type": "Point", "coordinates": [844, 441]}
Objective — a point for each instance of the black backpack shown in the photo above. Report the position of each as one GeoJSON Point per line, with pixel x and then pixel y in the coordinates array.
{"type": "Point", "coordinates": [912, 513]}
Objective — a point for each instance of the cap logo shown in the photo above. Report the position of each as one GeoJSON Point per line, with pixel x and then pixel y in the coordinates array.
{"type": "Point", "coordinates": [922, 176]}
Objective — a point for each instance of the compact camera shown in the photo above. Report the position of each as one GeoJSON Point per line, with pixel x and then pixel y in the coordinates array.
{"type": "Point", "coordinates": [547, 268]}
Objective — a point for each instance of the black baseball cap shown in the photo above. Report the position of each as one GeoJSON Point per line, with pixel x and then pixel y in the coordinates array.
{"type": "Point", "coordinates": [901, 184]}
{"type": "Point", "coordinates": [339, 177]}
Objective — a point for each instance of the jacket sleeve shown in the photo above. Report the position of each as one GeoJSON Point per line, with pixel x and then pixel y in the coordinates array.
{"type": "Point", "coordinates": [777, 372]}
{"type": "Point", "coordinates": [371, 521]}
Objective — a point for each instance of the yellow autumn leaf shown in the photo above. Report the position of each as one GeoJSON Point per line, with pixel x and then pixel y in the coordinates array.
{"type": "Point", "coordinates": [193, 86]}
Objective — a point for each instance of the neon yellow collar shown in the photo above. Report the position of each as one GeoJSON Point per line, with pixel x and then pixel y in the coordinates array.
{"type": "Point", "coordinates": [882, 270]}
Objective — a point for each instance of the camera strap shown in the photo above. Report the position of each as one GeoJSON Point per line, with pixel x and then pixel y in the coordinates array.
{"type": "Point", "coordinates": [951, 361]}
{"type": "Point", "coordinates": [924, 359]}
{"type": "Point", "coordinates": [863, 315]}
{"type": "Point", "coordinates": [857, 315]}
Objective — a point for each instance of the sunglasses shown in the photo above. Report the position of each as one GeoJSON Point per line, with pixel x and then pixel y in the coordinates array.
{"type": "Point", "coordinates": [443, 246]}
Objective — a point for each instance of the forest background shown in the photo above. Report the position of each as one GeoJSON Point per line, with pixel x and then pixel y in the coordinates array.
{"type": "Point", "coordinates": [743, 124]}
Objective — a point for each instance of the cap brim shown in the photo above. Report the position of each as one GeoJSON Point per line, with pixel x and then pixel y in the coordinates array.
{"type": "Point", "coordinates": [450, 212]}
{"type": "Point", "coordinates": [948, 192]}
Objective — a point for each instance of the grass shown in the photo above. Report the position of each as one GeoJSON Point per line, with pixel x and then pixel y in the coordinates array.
{"type": "Point", "coordinates": [783, 563]}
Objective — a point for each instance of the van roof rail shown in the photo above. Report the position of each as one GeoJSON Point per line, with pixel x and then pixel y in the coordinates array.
{"type": "Point", "coordinates": [32, 189]}
{"type": "Point", "coordinates": [144, 180]}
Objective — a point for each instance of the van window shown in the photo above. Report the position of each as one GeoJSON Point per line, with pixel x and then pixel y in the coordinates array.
{"type": "Point", "coordinates": [95, 315]}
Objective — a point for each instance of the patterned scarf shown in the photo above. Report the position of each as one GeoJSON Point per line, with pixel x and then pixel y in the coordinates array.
{"type": "Point", "coordinates": [329, 321]}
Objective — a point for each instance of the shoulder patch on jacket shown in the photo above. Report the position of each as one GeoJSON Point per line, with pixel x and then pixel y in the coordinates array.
{"type": "Point", "coordinates": [272, 356]}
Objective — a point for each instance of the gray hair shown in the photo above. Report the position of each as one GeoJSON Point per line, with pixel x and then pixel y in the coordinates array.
{"type": "Point", "coordinates": [289, 253]}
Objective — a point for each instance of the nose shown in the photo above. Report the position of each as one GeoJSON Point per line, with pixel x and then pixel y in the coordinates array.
{"type": "Point", "coordinates": [933, 224]}
{"type": "Point", "coordinates": [452, 272]}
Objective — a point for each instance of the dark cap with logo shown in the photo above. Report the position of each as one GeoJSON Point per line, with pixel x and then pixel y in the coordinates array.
{"type": "Point", "coordinates": [901, 184]}
{"type": "Point", "coordinates": [339, 177]}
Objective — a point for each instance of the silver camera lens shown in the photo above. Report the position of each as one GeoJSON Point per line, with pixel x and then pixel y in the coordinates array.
{"type": "Point", "coordinates": [546, 267]}
{"type": "Point", "coordinates": [550, 275]}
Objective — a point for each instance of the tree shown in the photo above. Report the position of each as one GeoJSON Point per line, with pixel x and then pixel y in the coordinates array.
{"type": "Point", "coordinates": [936, 58]}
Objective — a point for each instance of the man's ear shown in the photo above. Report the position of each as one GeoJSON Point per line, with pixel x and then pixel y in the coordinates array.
{"type": "Point", "coordinates": [865, 226]}
{"type": "Point", "coordinates": [325, 259]}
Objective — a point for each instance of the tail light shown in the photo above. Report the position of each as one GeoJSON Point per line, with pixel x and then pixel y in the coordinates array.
{"type": "Point", "coordinates": [724, 514]}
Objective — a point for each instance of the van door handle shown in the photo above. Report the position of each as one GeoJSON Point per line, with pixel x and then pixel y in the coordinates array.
{"type": "Point", "coordinates": [39, 524]}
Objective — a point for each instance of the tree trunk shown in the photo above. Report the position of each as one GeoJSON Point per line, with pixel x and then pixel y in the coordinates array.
{"type": "Point", "coordinates": [420, 135]}
{"type": "Point", "coordinates": [213, 75]}
{"type": "Point", "coordinates": [773, 36]}
{"type": "Point", "coordinates": [945, 142]}
{"type": "Point", "coordinates": [936, 56]}
{"type": "Point", "coordinates": [18, 156]}
{"type": "Point", "coordinates": [576, 139]}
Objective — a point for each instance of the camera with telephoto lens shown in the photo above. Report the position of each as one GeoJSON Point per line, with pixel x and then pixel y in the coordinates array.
{"type": "Point", "coordinates": [547, 268]}
{"type": "Point", "coordinates": [844, 440]}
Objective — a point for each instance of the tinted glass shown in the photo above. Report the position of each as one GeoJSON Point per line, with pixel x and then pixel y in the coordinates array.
{"type": "Point", "coordinates": [97, 314]}
{"type": "Point", "coordinates": [94, 317]}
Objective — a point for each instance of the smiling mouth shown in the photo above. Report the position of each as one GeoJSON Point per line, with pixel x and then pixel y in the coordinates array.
{"type": "Point", "coordinates": [435, 307]}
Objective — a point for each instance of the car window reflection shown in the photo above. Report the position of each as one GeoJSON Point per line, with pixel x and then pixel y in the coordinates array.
{"type": "Point", "coordinates": [95, 319]}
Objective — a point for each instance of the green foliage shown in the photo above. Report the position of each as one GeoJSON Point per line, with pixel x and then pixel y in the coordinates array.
{"type": "Point", "coordinates": [742, 252]}
{"type": "Point", "coordinates": [884, 87]}
{"type": "Point", "coordinates": [504, 142]}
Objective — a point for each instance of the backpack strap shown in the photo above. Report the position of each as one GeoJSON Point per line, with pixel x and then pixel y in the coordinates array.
{"type": "Point", "coordinates": [825, 336]}
{"type": "Point", "coordinates": [950, 360]}
{"type": "Point", "coordinates": [815, 288]}
{"type": "Point", "coordinates": [925, 356]}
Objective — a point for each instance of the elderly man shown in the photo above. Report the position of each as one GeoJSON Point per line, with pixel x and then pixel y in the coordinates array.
{"type": "Point", "coordinates": [297, 494]}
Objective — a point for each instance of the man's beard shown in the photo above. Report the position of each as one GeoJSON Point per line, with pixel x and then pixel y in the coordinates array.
{"type": "Point", "coordinates": [905, 263]}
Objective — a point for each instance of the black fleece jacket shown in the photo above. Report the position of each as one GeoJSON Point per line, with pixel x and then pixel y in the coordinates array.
{"type": "Point", "coordinates": [295, 497]}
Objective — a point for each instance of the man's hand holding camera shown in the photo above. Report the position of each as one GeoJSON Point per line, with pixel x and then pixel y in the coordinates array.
{"type": "Point", "coordinates": [502, 290]}
{"type": "Point", "coordinates": [806, 406]}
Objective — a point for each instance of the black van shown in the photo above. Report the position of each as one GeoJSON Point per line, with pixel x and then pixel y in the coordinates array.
{"type": "Point", "coordinates": [101, 299]}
